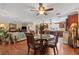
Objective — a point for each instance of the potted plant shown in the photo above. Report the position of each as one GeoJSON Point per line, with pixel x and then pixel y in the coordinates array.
{"type": "Point", "coordinates": [3, 34]}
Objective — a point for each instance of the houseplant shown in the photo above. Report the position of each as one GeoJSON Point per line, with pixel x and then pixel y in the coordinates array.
{"type": "Point", "coordinates": [3, 34]}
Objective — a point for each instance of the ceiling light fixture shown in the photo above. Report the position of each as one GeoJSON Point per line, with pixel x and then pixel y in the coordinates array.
{"type": "Point", "coordinates": [41, 10]}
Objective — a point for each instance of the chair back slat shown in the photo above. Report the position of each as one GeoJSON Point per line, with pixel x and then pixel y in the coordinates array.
{"type": "Point", "coordinates": [54, 40]}
{"type": "Point", "coordinates": [30, 38]}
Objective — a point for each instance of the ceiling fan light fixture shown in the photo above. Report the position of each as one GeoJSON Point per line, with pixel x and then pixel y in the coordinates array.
{"type": "Point", "coordinates": [41, 12]}
{"type": "Point", "coordinates": [42, 9]}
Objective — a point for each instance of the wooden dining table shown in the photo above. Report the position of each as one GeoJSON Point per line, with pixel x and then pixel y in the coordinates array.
{"type": "Point", "coordinates": [43, 38]}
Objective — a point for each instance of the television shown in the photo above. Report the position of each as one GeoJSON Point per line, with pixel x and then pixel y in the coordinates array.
{"type": "Point", "coordinates": [24, 28]}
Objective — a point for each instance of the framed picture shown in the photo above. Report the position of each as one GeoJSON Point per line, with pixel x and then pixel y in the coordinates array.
{"type": "Point", "coordinates": [12, 27]}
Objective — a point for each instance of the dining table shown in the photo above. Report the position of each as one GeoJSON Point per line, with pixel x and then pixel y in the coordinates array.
{"type": "Point", "coordinates": [43, 38]}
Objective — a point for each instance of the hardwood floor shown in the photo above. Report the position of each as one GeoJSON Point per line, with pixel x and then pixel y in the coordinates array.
{"type": "Point", "coordinates": [20, 48]}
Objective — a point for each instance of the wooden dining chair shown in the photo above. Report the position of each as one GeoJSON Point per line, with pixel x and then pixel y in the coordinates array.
{"type": "Point", "coordinates": [32, 44]}
{"type": "Point", "coordinates": [11, 39]}
{"type": "Point", "coordinates": [52, 43]}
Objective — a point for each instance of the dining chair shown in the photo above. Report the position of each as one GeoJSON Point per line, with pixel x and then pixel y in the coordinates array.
{"type": "Point", "coordinates": [11, 39]}
{"type": "Point", "coordinates": [52, 43]}
{"type": "Point", "coordinates": [32, 44]}
{"type": "Point", "coordinates": [2, 39]}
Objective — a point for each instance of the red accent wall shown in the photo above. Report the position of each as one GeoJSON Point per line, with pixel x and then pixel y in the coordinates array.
{"type": "Point", "coordinates": [72, 19]}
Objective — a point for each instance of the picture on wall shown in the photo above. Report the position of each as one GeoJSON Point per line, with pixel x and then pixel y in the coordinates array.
{"type": "Point", "coordinates": [12, 27]}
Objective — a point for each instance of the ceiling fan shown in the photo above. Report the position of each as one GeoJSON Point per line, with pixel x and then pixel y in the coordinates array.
{"type": "Point", "coordinates": [42, 10]}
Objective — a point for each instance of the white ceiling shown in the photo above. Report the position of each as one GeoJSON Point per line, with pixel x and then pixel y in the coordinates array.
{"type": "Point", "coordinates": [21, 12]}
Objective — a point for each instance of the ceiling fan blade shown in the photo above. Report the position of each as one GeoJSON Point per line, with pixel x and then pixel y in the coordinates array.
{"type": "Point", "coordinates": [45, 14]}
{"type": "Point", "coordinates": [37, 14]}
{"type": "Point", "coordinates": [33, 10]}
{"type": "Point", "coordinates": [40, 4]}
{"type": "Point", "coordinates": [49, 9]}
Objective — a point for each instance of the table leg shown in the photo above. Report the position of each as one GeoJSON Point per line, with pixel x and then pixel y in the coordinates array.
{"type": "Point", "coordinates": [43, 47]}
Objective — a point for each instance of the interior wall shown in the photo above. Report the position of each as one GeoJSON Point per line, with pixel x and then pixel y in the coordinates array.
{"type": "Point", "coordinates": [19, 25]}
{"type": "Point", "coordinates": [61, 25]}
{"type": "Point", "coordinates": [78, 17]}
{"type": "Point", "coordinates": [72, 19]}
